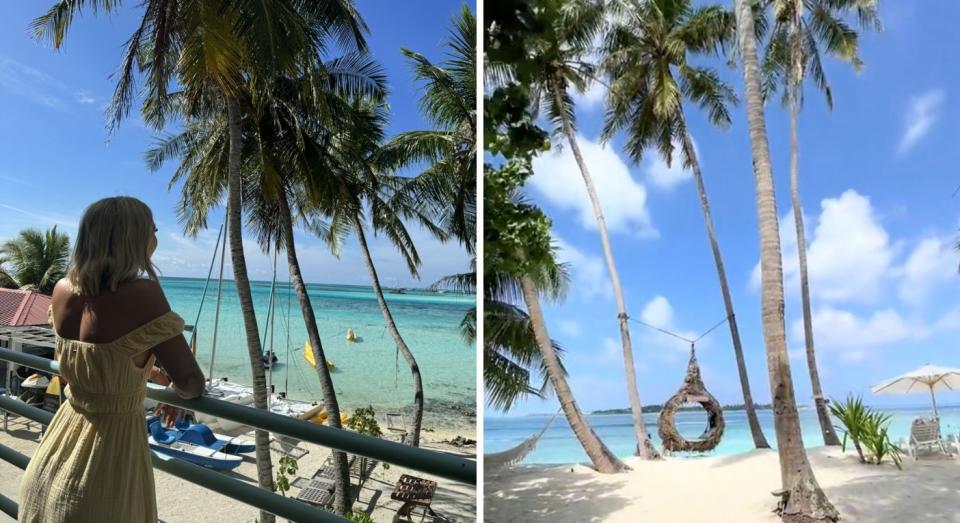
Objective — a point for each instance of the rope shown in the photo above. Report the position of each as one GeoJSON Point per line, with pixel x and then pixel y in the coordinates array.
{"type": "Point", "coordinates": [196, 322]}
{"type": "Point", "coordinates": [679, 337]}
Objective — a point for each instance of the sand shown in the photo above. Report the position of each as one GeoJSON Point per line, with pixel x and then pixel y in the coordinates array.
{"type": "Point", "coordinates": [181, 501]}
{"type": "Point", "coordinates": [730, 488]}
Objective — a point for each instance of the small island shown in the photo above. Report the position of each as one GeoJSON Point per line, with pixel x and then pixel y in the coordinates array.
{"type": "Point", "coordinates": [657, 408]}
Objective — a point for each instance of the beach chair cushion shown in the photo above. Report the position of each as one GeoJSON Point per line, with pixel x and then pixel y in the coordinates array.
{"type": "Point", "coordinates": [160, 434]}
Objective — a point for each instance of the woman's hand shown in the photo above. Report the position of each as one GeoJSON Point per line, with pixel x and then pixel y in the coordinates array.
{"type": "Point", "coordinates": [169, 415]}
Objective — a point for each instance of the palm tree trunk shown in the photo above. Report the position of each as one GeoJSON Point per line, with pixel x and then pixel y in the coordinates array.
{"type": "Point", "coordinates": [601, 457]}
{"type": "Point", "coordinates": [392, 327]}
{"type": "Point", "coordinates": [341, 504]}
{"type": "Point", "coordinates": [644, 447]}
{"type": "Point", "coordinates": [759, 441]}
{"type": "Point", "coordinates": [254, 350]}
{"type": "Point", "coordinates": [804, 500]}
{"type": "Point", "coordinates": [826, 426]}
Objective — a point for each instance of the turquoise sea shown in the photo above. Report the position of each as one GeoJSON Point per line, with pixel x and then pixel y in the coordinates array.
{"type": "Point", "coordinates": [366, 373]}
{"type": "Point", "coordinates": [559, 445]}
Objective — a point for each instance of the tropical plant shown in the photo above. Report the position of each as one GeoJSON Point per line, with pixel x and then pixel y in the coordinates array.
{"type": "Point", "coordinates": [285, 164]}
{"type": "Point", "coordinates": [648, 59]}
{"type": "Point", "coordinates": [866, 428]}
{"type": "Point", "coordinates": [801, 32]}
{"type": "Point", "coordinates": [803, 500]}
{"type": "Point", "coordinates": [364, 421]}
{"type": "Point", "coordinates": [35, 260]}
{"type": "Point", "coordinates": [287, 468]}
{"type": "Point", "coordinates": [552, 60]}
{"type": "Point", "coordinates": [853, 416]}
{"type": "Point", "coordinates": [448, 184]}
{"type": "Point", "coordinates": [519, 251]}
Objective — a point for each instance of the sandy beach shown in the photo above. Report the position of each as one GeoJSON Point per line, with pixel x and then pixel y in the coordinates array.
{"type": "Point", "coordinates": [182, 501]}
{"type": "Point", "coordinates": [729, 488]}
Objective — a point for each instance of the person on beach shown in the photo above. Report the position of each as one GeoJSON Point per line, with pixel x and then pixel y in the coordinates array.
{"type": "Point", "coordinates": [112, 323]}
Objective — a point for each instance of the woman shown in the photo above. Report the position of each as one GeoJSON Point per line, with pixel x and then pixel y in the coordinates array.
{"type": "Point", "coordinates": [112, 323]}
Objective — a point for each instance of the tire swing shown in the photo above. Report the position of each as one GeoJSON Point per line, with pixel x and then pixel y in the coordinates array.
{"type": "Point", "coordinates": [692, 391]}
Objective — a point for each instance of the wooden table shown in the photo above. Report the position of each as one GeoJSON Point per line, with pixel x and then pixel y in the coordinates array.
{"type": "Point", "coordinates": [414, 491]}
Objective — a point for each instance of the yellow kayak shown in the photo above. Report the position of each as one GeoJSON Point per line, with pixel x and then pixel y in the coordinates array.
{"type": "Point", "coordinates": [308, 355]}
{"type": "Point", "coordinates": [319, 415]}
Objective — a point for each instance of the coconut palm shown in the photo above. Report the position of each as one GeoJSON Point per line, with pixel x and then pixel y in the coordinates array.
{"type": "Point", "coordinates": [526, 271]}
{"type": "Point", "coordinates": [559, 59]}
{"type": "Point", "coordinates": [448, 184]}
{"type": "Point", "coordinates": [804, 500]}
{"type": "Point", "coordinates": [35, 260]}
{"type": "Point", "coordinates": [647, 58]}
{"type": "Point", "coordinates": [284, 164]}
{"type": "Point", "coordinates": [213, 48]}
{"type": "Point", "coordinates": [801, 32]}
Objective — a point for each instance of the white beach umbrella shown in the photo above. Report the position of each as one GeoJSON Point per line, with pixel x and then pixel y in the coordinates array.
{"type": "Point", "coordinates": [926, 378]}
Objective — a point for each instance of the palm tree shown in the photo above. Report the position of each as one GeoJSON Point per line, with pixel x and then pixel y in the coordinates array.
{"type": "Point", "coordinates": [211, 48]}
{"type": "Point", "coordinates": [285, 164]}
{"type": "Point", "coordinates": [804, 500]}
{"type": "Point", "coordinates": [554, 61]}
{"type": "Point", "coordinates": [448, 185]}
{"type": "Point", "coordinates": [525, 270]}
{"type": "Point", "coordinates": [801, 29]}
{"type": "Point", "coordinates": [647, 59]}
{"type": "Point", "coordinates": [35, 260]}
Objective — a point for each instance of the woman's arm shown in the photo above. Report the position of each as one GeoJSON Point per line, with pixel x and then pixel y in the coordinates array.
{"type": "Point", "coordinates": [173, 355]}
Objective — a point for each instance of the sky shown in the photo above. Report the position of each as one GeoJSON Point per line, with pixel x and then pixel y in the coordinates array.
{"type": "Point", "coordinates": [57, 157]}
{"type": "Point", "coordinates": [877, 183]}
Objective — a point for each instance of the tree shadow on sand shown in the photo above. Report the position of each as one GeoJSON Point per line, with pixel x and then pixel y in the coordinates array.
{"type": "Point", "coordinates": [545, 496]}
{"type": "Point", "coordinates": [927, 490]}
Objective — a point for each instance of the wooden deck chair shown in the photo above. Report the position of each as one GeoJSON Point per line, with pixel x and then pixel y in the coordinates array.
{"type": "Point", "coordinates": [397, 425]}
{"type": "Point", "coordinates": [414, 492]}
{"type": "Point", "coordinates": [925, 435]}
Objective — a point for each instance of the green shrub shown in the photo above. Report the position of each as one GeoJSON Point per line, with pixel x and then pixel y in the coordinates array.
{"type": "Point", "coordinates": [867, 429]}
{"type": "Point", "coordinates": [288, 466]}
{"type": "Point", "coordinates": [360, 517]}
{"type": "Point", "coordinates": [364, 421]}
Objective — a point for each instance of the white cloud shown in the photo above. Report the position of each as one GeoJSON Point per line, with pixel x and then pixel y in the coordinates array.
{"type": "Point", "coordinates": [852, 336]}
{"type": "Point", "coordinates": [589, 274]}
{"type": "Point", "coordinates": [923, 112]}
{"type": "Point", "coordinates": [848, 255]}
{"type": "Point", "coordinates": [663, 176]}
{"type": "Point", "coordinates": [592, 97]}
{"type": "Point", "coordinates": [659, 313]}
{"type": "Point", "coordinates": [931, 263]}
{"type": "Point", "coordinates": [85, 97]}
{"type": "Point", "coordinates": [623, 200]}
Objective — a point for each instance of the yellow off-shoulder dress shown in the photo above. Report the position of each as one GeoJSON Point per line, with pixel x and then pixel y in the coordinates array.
{"type": "Point", "coordinates": [93, 464]}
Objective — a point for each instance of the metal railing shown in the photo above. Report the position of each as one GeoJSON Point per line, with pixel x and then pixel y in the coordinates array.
{"type": "Point", "coordinates": [426, 461]}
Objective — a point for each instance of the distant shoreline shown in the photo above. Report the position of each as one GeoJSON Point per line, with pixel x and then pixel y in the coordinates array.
{"type": "Point", "coordinates": [657, 408]}
{"type": "Point", "coordinates": [366, 287]}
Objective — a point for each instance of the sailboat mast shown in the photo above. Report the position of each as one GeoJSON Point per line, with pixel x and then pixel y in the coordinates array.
{"type": "Point", "coordinates": [216, 315]}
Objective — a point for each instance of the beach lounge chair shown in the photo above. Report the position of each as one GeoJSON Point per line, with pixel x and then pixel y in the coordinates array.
{"type": "Point", "coordinates": [414, 492]}
{"type": "Point", "coordinates": [925, 435]}
{"type": "Point", "coordinates": [397, 425]}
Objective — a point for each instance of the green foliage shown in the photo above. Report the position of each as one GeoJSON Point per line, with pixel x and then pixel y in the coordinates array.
{"type": "Point", "coordinates": [867, 429]}
{"type": "Point", "coordinates": [364, 422]}
{"type": "Point", "coordinates": [35, 260]}
{"type": "Point", "coordinates": [288, 467]}
{"type": "Point", "coordinates": [359, 517]}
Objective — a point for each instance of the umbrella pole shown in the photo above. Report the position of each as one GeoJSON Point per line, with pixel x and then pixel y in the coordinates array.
{"type": "Point", "coordinates": [934, 398]}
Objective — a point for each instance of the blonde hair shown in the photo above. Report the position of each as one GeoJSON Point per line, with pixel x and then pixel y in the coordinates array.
{"type": "Point", "coordinates": [111, 247]}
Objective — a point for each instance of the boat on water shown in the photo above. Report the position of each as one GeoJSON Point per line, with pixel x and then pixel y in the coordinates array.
{"type": "Point", "coordinates": [308, 355]}
{"type": "Point", "coordinates": [223, 389]}
{"type": "Point", "coordinates": [168, 441]}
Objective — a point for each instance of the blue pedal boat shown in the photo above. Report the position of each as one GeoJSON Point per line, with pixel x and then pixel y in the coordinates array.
{"type": "Point", "coordinates": [169, 441]}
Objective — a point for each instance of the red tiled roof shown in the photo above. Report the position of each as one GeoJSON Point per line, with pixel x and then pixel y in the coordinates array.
{"type": "Point", "coordinates": [18, 308]}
